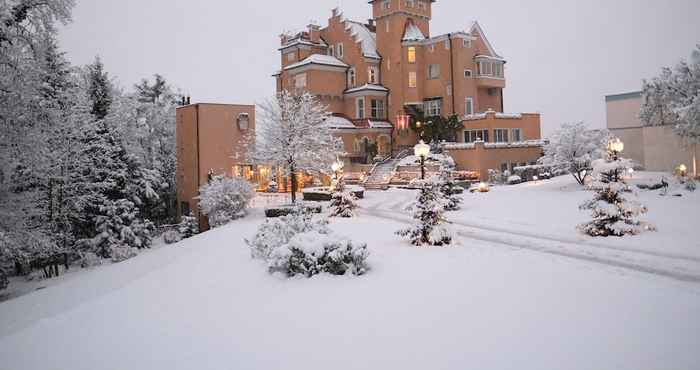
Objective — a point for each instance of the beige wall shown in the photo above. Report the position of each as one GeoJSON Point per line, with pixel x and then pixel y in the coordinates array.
{"type": "Point", "coordinates": [529, 123]}
{"type": "Point", "coordinates": [208, 138]}
{"type": "Point", "coordinates": [655, 148]}
{"type": "Point", "coordinates": [481, 159]}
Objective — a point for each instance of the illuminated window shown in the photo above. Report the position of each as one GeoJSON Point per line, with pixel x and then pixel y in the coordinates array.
{"type": "Point", "coordinates": [411, 54]}
{"type": "Point", "coordinates": [412, 79]}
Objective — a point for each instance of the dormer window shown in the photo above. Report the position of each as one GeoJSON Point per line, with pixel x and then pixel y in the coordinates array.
{"type": "Point", "coordinates": [243, 121]}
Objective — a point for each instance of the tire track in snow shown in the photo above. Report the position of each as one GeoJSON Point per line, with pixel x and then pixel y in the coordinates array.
{"type": "Point", "coordinates": [677, 268]}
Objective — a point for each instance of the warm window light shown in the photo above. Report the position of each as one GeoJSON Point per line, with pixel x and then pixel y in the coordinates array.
{"type": "Point", "coordinates": [421, 149]}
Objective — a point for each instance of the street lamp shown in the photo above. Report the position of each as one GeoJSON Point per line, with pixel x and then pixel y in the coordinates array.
{"type": "Point", "coordinates": [616, 147]}
{"type": "Point", "coordinates": [683, 170]}
{"type": "Point", "coordinates": [422, 150]}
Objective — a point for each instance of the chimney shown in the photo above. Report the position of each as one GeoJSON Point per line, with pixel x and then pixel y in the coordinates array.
{"type": "Point", "coordinates": [188, 100]}
{"type": "Point", "coordinates": [314, 33]}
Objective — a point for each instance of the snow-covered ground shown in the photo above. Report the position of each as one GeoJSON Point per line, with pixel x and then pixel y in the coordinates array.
{"type": "Point", "coordinates": [515, 294]}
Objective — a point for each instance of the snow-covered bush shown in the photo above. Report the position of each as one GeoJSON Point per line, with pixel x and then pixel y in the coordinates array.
{"type": "Point", "coordinates": [4, 281]}
{"type": "Point", "coordinates": [188, 226]}
{"type": "Point", "coordinates": [515, 179]}
{"type": "Point", "coordinates": [275, 232]}
{"type": "Point", "coordinates": [90, 259]}
{"type": "Point", "coordinates": [343, 202]}
{"type": "Point", "coordinates": [311, 253]}
{"type": "Point", "coordinates": [288, 209]}
{"type": "Point", "coordinates": [172, 236]}
{"type": "Point", "coordinates": [614, 212]}
{"type": "Point", "coordinates": [299, 244]}
{"type": "Point", "coordinates": [428, 210]}
{"type": "Point", "coordinates": [225, 199]}
{"type": "Point", "coordinates": [121, 253]}
{"type": "Point", "coordinates": [573, 147]}
{"type": "Point", "coordinates": [120, 230]}
{"type": "Point", "coordinates": [691, 185]}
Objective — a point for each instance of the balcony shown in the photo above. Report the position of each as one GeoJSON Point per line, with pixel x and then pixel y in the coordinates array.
{"type": "Point", "coordinates": [490, 81]}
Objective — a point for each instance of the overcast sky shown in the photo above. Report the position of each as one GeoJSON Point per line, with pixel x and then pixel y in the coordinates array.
{"type": "Point", "coordinates": [563, 56]}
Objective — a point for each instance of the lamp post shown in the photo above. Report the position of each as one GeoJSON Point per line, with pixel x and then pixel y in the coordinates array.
{"type": "Point", "coordinates": [616, 147]}
{"type": "Point", "coordinates": [337, 166]}
{"type": "Point", "coordinates": [422, 150]}
{"type": "Point", "coordinates": [682, 170]}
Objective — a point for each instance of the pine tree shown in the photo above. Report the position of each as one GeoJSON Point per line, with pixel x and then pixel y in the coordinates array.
{"type": "Point", "coordinates": [188, 226]}
{"type": "Point", "coordinates": [449, 190]}
{"type": "Point", "coordinates": [428, 211]}
{"type": "Point", "coordinates": [343, 201]}
{"type": "Point", "coordinates": [100, 89]}
{"type": "Point", "coordinates": [613, 209]}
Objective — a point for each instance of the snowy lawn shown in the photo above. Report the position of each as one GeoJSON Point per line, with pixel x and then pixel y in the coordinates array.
{"type": "Point", "coordinates": [204, 304]}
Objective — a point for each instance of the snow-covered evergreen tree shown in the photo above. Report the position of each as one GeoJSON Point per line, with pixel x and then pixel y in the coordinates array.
{"type": "Point", "coordinates": [573, 148]}
{"type": "Point", "coordinates": [449, 189]}
{"type": "Point", "coordinates": [292, 134]}
{"type": "Point", "coordinates": [100, 89]}
{"type": "Point", "coordinates": [614, 209]}
{"type": "Point", "coordinates": [673, 98]}
{"type": "Point", "coordinates": [430, 226]}
{"type": "Point", "coordinates": [188, 226]}
{"type": "Point", "coordinates": [343, 201]}
{"type": "Point", "coordinates": [225, 199]}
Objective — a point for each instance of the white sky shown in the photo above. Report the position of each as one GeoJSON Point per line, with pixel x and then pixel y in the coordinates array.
{"type": "Point", "coordinates": [563, 55]}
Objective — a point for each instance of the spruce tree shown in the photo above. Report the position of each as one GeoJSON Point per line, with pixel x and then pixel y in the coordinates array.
{"type": "Point", "coordinates": [99, 89]}
{"type": "Point", "coordinates": [343, 202]}
{"type": "Point", "coordinates": [613, 208]}
{"type": "Point", "coordinates": [449, 190]}
{"type": "Point", "coordinates": [428, 211]}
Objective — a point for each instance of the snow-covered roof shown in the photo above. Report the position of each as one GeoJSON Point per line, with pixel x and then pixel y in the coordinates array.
{"type": "Point", "coordinates": [380, 124]}
{"type": "Point", "coordinates": [366, 38]}
{"type": "Point", "coordinates": [339, 123]}
{"type": "Point", "coordinates": [413, 33]}
{"type": "Point", "coordinates": [476, 27]}
{"type": "Point", "coordinates": [320, 59]}
{"type": "Point", "coordinates": [366, 87]}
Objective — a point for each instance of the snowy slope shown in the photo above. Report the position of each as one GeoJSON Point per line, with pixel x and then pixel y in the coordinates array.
{"type": "Point", "coordinates": [204, 304]}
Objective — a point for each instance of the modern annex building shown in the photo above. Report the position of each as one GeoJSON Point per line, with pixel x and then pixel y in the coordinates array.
{"type": "Point", "coordinates": [374, 76]}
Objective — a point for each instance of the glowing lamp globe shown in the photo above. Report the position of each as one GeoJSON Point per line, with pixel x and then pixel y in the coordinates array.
{"type": "Point", "coordinates": [483, 187]}
{"type": "Point", "coordinates": [616, 145]}
{"type": "Point", "coordinates": [421, 149]}
{"type": "Point", "coordinates": [682, 169]}
{"type": "Point", "coordinates": [336, 166]}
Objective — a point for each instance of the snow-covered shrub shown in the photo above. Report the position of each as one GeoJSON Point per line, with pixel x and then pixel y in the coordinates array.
{"type": "Point", "coordinates": [188, 227]}
{"type": "Point", "coordinates": [343, 202]}
{"type": "Point", "coordinates": [225, 199]}
{"type": "Point", "coordinates": [311, 253]}
{"type": "Point", "coordinates": [121, 253]}
{"type": "Point", "coordinates": [90, 259]}
{"type": "Point", "coordinates": [614, 213]}
{"type": "Point", "coordinates": [172, 236]}
{"type": "Point", "coordinates": [4, 281]}
{"type": "Point", "coordinates": [428, 211]}
{"type": "Point", "coordinates": [285, 210]}
{"type": "Point", "coordinates": [691, 185]}
{"type": "Point", "coordinates": [275, 232]}
{"type": "Point", "coordinates": [120, 228]}
{"type": "Point", "coordinates": [515, 179]}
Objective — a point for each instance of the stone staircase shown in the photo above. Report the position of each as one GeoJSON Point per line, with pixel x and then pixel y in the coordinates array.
{"type": "Point", "coordinates": [381, 174]}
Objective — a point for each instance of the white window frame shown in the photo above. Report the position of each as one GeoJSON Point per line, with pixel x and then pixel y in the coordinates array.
{"type": "Point", "coordinates": [474, 135]}
{"type": "Point", "coordinates": [411, 51]}
{"type": "Point", "coordinates": [468, 73]}
{"type": "Point", "coordinates": [412, 79]}
{"type": "Point", "coordinates": [422, 5]}
{"type": "Point", "coordinates": [501, 139]}
{"type": "Point", "coordinates": [339, 50]}
{"type": "Point", "coordinates": [377, 109]}
{"type": "Point", "coordinates": [469, 106]}
{"type": "Point", "coordinates": [352, 77]}
{"type": "Point", "coordinates": [373, 75]}
{"type": "Point", "coordinates": [433, 108]}
{"type": "Point", "coordinates": [467, 43]}
{"type": "Point", "coordinates": [433, 71]}
{"type": "Point", "coordinates": [386, 4]}
{"type": "Point", "coordinates": [360, 107]}
{"type": "Point", "coordinates": [520, 134]}
{"type": "Point", "coordinates": [331, 51]}
{"type": "Point", "coordinates": [410, 3]}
